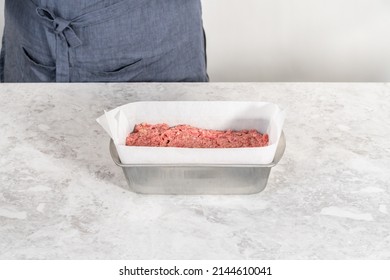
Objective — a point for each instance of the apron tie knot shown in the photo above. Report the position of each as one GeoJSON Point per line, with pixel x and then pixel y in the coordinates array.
{"type": "Point", "coordinates": [61, 27]}
{"type": "Point", "coordinates": [60, 24]}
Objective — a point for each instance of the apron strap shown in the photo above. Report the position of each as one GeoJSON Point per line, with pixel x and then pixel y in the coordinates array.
{"type": "Point", "coordinates": [66, 37]}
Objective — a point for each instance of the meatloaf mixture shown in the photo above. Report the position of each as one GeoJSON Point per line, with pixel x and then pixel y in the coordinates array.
{"type": "Point", "coordinates": [186, 136]}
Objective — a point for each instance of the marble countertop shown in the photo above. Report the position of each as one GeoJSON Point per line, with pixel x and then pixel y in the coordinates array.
{"type": "Point", "coordinates": [62, 197]}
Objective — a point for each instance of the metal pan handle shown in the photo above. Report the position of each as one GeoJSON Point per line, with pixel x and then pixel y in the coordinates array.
{"type": "Point", "coordinates": [280, 149]}
{"type": "Point", "coordinates": [114, 154]}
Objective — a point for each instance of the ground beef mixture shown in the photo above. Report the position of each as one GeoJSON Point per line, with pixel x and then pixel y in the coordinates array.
{"type": "Point", "coordinates": [186, 136]}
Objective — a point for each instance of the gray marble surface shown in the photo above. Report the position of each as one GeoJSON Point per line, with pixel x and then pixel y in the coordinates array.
{"type": "Point", "coordinates": [62, 197]}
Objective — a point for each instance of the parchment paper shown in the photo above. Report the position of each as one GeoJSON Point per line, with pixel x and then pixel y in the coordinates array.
{"type": "Point", "coordinates": [221, 115]}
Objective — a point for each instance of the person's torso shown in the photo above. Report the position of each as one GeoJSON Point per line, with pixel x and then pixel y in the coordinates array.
{"type": "Point", "coordinates": [113, 37]}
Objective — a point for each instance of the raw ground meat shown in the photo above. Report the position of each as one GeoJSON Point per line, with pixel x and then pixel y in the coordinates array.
{"type": "Point", "coordinates": [186, 136]}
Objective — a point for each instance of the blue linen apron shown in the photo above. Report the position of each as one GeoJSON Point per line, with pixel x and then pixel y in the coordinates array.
{"type": "Point", "coordinates": [103, 41]}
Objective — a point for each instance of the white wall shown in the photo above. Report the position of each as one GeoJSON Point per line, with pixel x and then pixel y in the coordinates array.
{"type": "Point", "coordinates": [296, 40]}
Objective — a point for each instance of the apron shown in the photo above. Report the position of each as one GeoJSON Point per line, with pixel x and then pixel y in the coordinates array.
{"type": "Point", "coordinates": [103, 41]}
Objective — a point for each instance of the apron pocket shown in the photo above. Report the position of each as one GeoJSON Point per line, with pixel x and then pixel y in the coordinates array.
{"type": "Point", "coordinates": [34, 70]}
{"type": "Point", "coordinates": [121, 74]}
{"type": "Point", "coordinates": [120, 69]}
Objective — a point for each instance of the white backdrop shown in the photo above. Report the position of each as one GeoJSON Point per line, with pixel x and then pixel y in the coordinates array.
{"type": "Point", "coordinates": [296, 40]}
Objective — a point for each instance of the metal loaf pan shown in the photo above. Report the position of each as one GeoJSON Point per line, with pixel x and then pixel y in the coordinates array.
{"type": "Point", "coordinates": [198, 179]}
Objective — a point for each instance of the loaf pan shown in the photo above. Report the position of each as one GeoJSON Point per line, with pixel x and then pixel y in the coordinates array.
{"type": "Point", "coordinates": [198, 179]}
